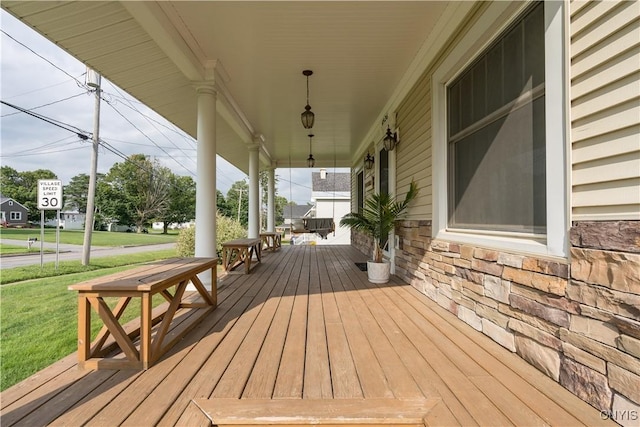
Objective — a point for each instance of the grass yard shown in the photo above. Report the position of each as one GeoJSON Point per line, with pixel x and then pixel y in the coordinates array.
{"type": "Point", "coordinates": [98, 238]}
{"type": "Point", "coordinates": [39, 323]}
{"type": "Point", "coordinates": [18, 274]}
{"type": "Point", "coordinates": [15, 250]}
{"type": "Point", "coordinates": [39, 317]}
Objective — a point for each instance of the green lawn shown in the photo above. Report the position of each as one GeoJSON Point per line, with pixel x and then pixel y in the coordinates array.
{"type": "Point", "coordinates": [98, 238]}
{"type": "Point", "coordinates": [39, 317]}
{"type": "Point", "coordinates": [13, 250]}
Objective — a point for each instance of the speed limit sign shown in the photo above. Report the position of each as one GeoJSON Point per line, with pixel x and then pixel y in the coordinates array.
{"type": "Point", "coordinates": [49, 194]}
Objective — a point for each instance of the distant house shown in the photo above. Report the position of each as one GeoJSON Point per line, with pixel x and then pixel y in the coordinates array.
{"type": "Point", "coordinates": [69, 220]}
{"type": "Point", "coordinates": [294, 211]}
{"type": "Point", "coordinates": [14, 214]}
{"type": "Point", "coordinates": [331, 194]}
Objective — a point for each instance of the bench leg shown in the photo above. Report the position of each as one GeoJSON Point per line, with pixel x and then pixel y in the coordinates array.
{"type": "Point", "coordinates": [248, 254]}
{"type": "Point", "coordinates": [84, 330]}
{"type": "Point", "coordinates": [145, 330]}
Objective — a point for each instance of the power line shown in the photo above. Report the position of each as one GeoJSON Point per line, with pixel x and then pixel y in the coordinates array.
{"type": "Point", "coordinates": [143, 145]}
{"type": "Point", "coordinates": [41, 89]}
{"type": "Point", "coordinates": [28, 152]}
{"type": "Point", "coordinates": [146, 136]}
{"type": "Point", "coordinates": [44, 152]}
{"type": "Point", "coordinates": [173, 128]}
{"type": "Point", "coordinates": [40, 56]}
{"type": "Point", "coordinates": [82, 134]}
{"type": "Point", "coordinates": [46, 105]}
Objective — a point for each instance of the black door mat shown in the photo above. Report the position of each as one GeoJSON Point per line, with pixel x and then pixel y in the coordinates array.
{"type": "Point", "coordinates": [362, 266]}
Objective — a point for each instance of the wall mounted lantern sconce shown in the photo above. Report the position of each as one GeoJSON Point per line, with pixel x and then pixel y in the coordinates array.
{"type": "Point", "coordinates": [311, 162]}
{"type": "Point", "coordinates": [390, 140]}
{"type": "Point", "coordinates": [368, 161]}
{"type": "Point", "coordinates": [307, 115]}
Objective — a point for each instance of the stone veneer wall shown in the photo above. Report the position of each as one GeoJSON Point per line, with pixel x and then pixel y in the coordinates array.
{"type": "Point", "coordinates": [578, 323]}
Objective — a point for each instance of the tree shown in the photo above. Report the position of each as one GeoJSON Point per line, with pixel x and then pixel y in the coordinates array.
{"type": "Point", "coordinates": [238, 202]}
{"type": "Point", "coordinates": [280, 202]}
{"type": "Point", "coordinates": [135, 191]}
{"type": "Point", "coordinates": [182, 202]}
{"type": "Point", "coordinates": [75, 193]}
{"type": "Point", "coordinates": [221, 204]}
{"type": "Point", "coordinates": [23, 188]}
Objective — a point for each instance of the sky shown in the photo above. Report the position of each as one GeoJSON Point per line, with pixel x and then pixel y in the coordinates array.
{"type": "Point", "coordinates": [37, 75]}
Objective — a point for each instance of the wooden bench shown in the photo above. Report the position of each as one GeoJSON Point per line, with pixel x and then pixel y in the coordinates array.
{"type": "Point", "coordinates": [271, 240]}
{"type": "Point", "coordinates": [240, 251]}
{"type": "Point", "coordinates": [142, 282]}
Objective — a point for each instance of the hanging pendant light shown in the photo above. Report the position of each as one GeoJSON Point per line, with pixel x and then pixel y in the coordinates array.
{"type": "Point", "coordinates": [307, 115]}
{"type": "Point", "coordinates": [311, 162]}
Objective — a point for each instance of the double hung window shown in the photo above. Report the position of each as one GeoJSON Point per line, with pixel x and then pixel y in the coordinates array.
{"type": "Point", "coordinates": [496, 134]}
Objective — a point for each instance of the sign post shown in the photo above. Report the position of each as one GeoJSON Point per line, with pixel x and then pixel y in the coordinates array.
{"type": "Point", "coordinates": [49, 198]}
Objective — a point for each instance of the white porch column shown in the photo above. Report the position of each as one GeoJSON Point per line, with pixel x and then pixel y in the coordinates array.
{"type": "Point", "coordinates": [206, 175]}
{"type": "Point", "coordinates": [254, 193]}
{"type": "Point", "coordinates": [271, 201]}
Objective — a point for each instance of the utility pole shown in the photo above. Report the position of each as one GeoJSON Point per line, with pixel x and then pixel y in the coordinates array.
{"type": "Point", "coordinates": [93, 80]}
{"type": "Point", "coordinates": [239, 202]}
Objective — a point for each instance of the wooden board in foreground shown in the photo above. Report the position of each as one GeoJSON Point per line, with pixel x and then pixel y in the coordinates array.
{"type": "Point", "coordinates": [342, 412]}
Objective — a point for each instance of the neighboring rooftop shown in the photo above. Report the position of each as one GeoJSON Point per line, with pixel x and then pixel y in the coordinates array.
{"type": "Point", "coordinates": [332, 182]}
{"type": "Point", "coordinates": [295, 211]}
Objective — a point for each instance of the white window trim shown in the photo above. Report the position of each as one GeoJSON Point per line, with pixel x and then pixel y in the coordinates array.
{"type": "Point", "coordinates": [15, 216]}
{"type": "Point", "coordinates": [498, 16]}
{"type": "Point", "coordinates": [390, 252]}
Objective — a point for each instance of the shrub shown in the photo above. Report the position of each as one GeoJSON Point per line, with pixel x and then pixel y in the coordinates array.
{"type": "Point", "coordinates": [186, 243]}
{"type": "Point", "coordinates": [226, 229]}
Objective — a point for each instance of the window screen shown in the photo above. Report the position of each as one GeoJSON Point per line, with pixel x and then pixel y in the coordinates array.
{"type": "Point", "coordinates": [360, 200]}
{"type": "Point", "coordinates": [496, 134]}
{"type": "Point", "coordinates": [383, 165]}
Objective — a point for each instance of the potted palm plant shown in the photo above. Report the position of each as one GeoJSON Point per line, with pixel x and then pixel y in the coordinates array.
{"type": "Point", "coordinates": [377, 220]}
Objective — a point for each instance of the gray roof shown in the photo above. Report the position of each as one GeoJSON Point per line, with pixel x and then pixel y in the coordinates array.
{"type": "Point", "coordinates": [295, 211]}
{"type": "Point", "coordinates": [4, 199]}
{"type": "Point", "coordinates": [333, 182]}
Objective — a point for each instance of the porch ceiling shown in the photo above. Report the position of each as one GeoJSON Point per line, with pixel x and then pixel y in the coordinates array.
{"type": "Point", "coordinates": [360, 53]}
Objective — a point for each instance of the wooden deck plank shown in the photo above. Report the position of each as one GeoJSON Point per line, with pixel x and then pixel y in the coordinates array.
{"type": "Point", "coordinates": [317, 373]}
{"type": "Point", "coordinates": [20, 390]}
{"type": "Point", "coordinates": [345, 379]}
{"type": "Point", "coordinates": [118, 410]}
{"type": "Point", "coordinates": [185, 381]}
{"type": "Point", "coordinates": [100, 397]}
{"type": "Point", "coordinates": [512, 407]}
{"type": "Point", "coordinates": [538, 391]}
{"type": "Point", "coordinates": [263, 377]}
{"type": "Point", "coordinates": [211, 371]}
{"type": "Point", "coordinates": [475, 402]}
{"type": "Point", "coordinates": [423, 373]}
{"type": "Point", "coordinates": [64, 400]}
{"type": "Point", "coordinates": [290, 376]}
{"type": "Point", "coordinates": [308, 319]}
{"type": "Point", "coordinates": [359, 327]}
{"type": "Point", "coordinates": [39, 396]}
{"type": "Point", "coordinates": [235, 377]}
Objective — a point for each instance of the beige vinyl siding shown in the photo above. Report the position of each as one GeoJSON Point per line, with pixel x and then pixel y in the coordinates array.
{"type": "Point", "coordinates": [605, 110]}
{"type": "Point", "coordinates": [413, 154]}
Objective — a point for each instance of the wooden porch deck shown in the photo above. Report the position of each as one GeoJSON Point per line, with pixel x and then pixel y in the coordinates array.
{"type": "Point", "coordinates": [306, 324]}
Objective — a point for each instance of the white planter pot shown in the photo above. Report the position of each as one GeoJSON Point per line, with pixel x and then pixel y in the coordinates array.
{"type": "Point", "coordinates": [378, 271]}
